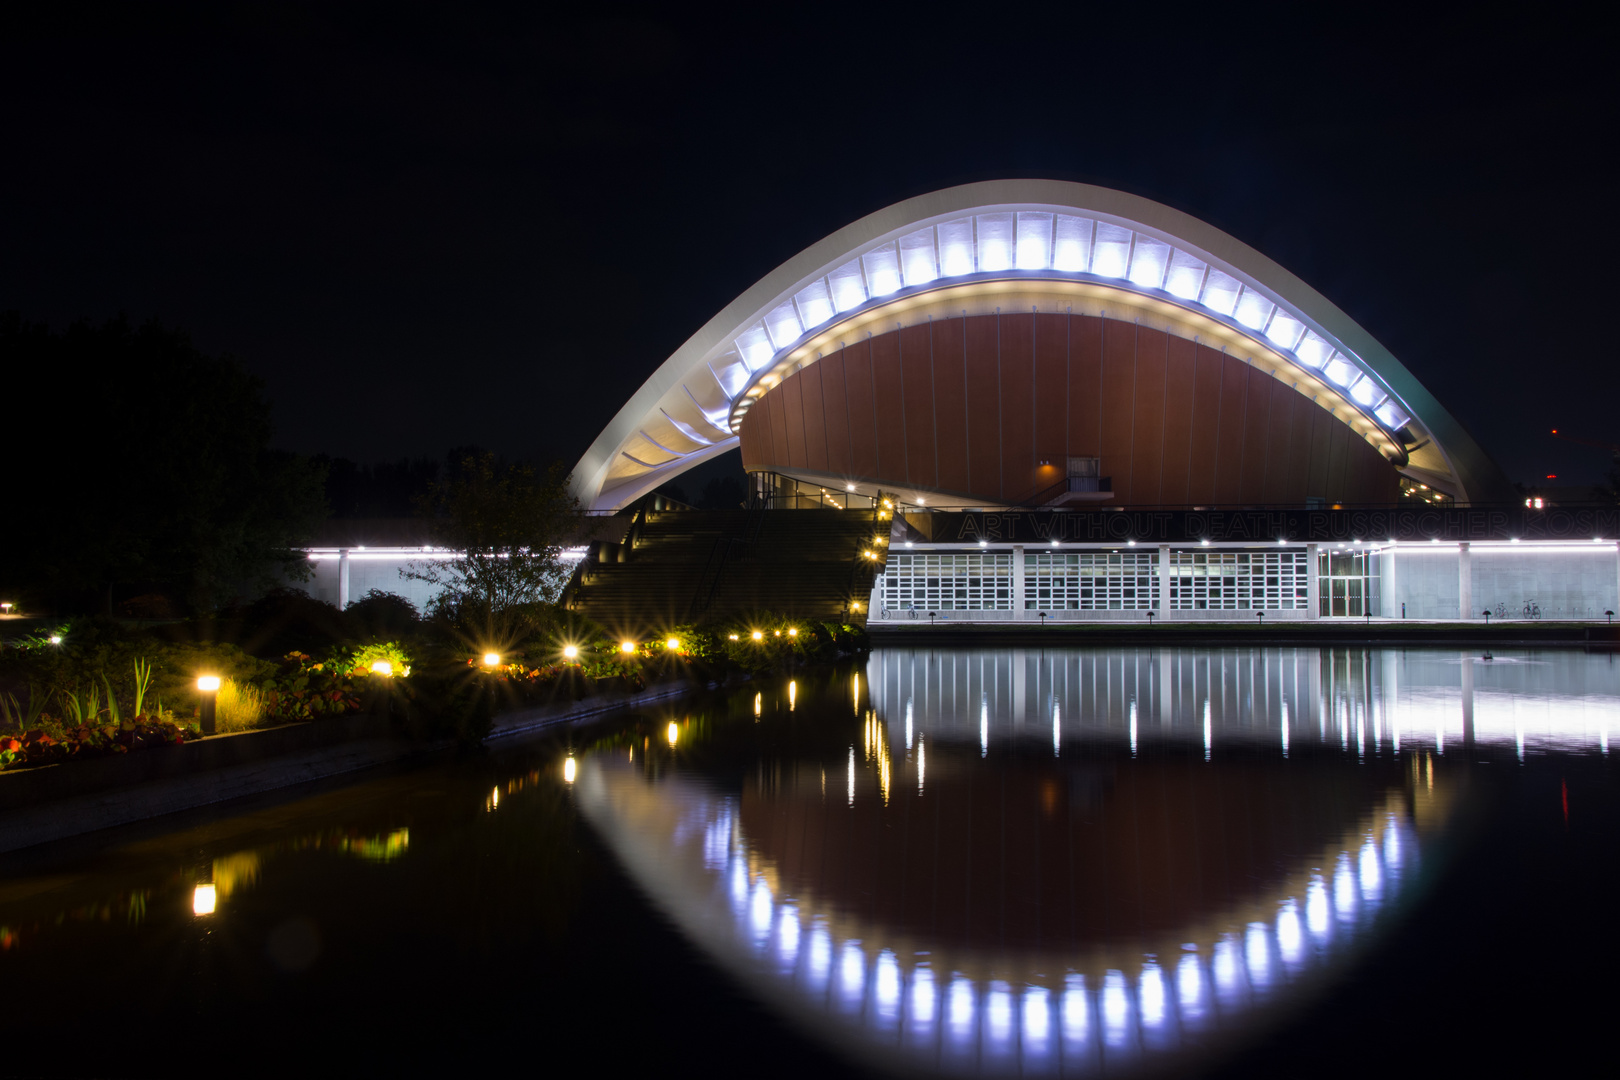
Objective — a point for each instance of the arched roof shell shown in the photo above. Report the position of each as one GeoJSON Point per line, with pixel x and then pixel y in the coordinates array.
{"type": "Point", "coordinates": [1008, 231]}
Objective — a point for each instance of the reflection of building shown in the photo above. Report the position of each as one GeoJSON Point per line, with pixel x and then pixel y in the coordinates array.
{"type": "Point", "coordinates": [1045, 346]}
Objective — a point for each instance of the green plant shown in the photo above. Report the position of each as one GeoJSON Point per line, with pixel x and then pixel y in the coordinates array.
{"type": "Point", "coordinates": [238, 707]}
{"type": "Point", "coordinates": [112, 701]}
{"type": "Point", "coordinates": [143, 680]}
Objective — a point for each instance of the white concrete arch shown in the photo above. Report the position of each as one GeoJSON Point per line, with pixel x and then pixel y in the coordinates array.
{"type": "Point", "coordinates": [968, 246]}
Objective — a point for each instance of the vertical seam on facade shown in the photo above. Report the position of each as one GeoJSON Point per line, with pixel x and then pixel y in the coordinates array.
{"type": "Point", "coordinates": [1001, 439]}
{"type": "Point", "coordinates": [900, 364]}
{"type": "Point", "coordinates": [877, 440]}
{"type": "Point", "coordinates": [1192, 412]}
{"type": "Point", "coordinates": [1164, 419]}
{"type": "Point", "coordinates": [849, 416]}
{"type": "Point", "coordinates": [1068, 385]}
{"type": "Point", "coordinates": [933, 398]}
{"type": "Point", "coordinates": [1136, 379]}
{"type": "Point", "coordinates": [967, 420]}
{"type": "Point", "coordinates": [804, 425]}
{"type": "Point", "coordinates": [1220, 402]}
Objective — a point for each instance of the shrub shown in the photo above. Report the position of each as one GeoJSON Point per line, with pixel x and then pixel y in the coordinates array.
{"type": "Point", "coordinates": [380, 614]}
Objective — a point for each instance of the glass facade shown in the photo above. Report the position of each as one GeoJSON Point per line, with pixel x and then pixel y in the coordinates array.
{"type": "Point", "coordinates": [1091, 581]}
{"type": "Point", "coordinates": [1347, 582]}
{"type": "Point", "coordinates": [1204, 580]}
{"type": "Point", "coordinates": [952, 581]}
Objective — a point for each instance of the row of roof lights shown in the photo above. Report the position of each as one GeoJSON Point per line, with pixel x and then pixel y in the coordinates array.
{"type": "Point", "coordinates": [1044, 241]}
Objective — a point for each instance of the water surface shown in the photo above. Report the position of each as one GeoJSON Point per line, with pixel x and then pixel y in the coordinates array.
{"type": "Point", "coordinates": [972, 862]}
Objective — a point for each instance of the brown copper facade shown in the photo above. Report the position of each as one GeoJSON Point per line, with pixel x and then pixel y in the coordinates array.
{"type": "Point", "coordinates": [972, 407]}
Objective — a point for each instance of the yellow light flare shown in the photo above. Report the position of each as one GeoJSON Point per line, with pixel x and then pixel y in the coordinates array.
{"type": "Point", "coordinates": [627, 646]}
{"type": "Point", "coordinates": [673, 734]}
{"type": "Point", "coordinates": [758, 635]}
{"type": "Point", "coordinates": [672, 644]}
{"type": "Point", "coordinates": [202, 900]}
{"type": "Point", "coordinates": [759, 704]}
{"type": "Point", "coordinates": [492, 659]}
{"type": "Point", "coordinates": [382, 667]}
{"type": "Point", "coordinates": [208, 683]}
{"type": "Point", "coordinates": [570, 652]}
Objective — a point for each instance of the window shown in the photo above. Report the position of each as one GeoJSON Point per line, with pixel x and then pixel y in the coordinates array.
{"type": "Point", "coordinates": [970, 581]}
{"type": "Point", "coordinates": [1091, 581]}
{"type": "Point", "coordinates": [1238, 580]}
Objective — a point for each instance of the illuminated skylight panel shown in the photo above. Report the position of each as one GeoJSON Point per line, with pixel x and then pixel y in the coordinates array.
{"type": "Point", "coordinates": [1312, 350]}
{"type": "Point", "coordinates": [848, 286]}
{"type": "Point", "coordinates": [731, 373]}
{"type": "Point", "coordinates": [1186, 276]}
{"type": "Point", "coordinates": [1149, 261]}
{"type": "Point", "coordinates": [1034, 241]}
{"type": "Point", "coordinates": [1253, 309]}
{"type": "Point", "coordinates": [1284, 330]}
{"type": "Point", "coordinates": [815, 304]}
{"type": "Point", "coordinates": [1111, 256]}
{"type": "Point", "coordinates": [1366, 392]}
{"type": "Point", "coordinates": [917, 257]}
{"type": "Point", "coordinates": [1071, 244]}
{"type": "Point", "coordinates": [995, 242]}
{"type": "Point", "coordinates": [882, 270]}
{"type": "Point", "coordinates": [783, 324]}
{"type": "Point", "coordinates": [1391, 414]}
{"type": "Point", "coordinates": [956, 247]}
{"type": "Point", "coordinates": [754, 346]}
{"type": "Point", "coordinates": [1221, 292]}
{"type": "Point", "coordinates": [1339, 370]}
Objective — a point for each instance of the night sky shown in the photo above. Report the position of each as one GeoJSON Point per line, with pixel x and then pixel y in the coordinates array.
{"type": "Point", "coordinates": [436, 226]}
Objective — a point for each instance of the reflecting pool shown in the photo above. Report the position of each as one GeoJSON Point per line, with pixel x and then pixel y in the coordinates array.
{"type": "Point", "coordinates": [970, 862]}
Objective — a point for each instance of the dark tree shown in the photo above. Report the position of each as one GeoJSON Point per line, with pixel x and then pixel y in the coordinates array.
{"type": "Point", "coordinates": [140, 464]}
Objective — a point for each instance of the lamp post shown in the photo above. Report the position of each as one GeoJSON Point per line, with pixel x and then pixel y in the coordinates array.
{"type": "Point", "coordinates": [1487, 614]}
{"type": "Point", "coordinates": [1150, 615]}
{"type": "Point", "coordinates": [1042, 614]}
{"type": "Point", "coordinates": [1261, 615]}
{"type": "Point", "coordinates": [208, 686]}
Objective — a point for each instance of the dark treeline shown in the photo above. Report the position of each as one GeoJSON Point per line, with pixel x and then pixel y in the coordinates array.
{"type": "Point", "coordinates": [138, 465]}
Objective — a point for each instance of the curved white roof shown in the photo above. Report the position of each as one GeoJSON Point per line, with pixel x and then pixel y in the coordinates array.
{"type": "Point", "coordinates": [1043, 234]}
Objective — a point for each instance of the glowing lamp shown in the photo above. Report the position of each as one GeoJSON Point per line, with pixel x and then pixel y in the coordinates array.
{"type": "Point", "coordinates": [382, 667]}
{"type": "Point", "coordinates": [570, 652]}
{"type": "Point", "coordinates": [672, 643]}
{"type": "Point", "coordinates": [569, 768]}
{"type": "Point", "coordinates": [777, 633]}
{"type": "Point", "coordinates": [793, 631]}
{"type": "Point", "coordinates": [208, 684]}
{"type": "Point", "coordinates": [492, 659]}
{"type": "Point", "coordinates": [56, 639]}
{"type": "Point", "coordinates": [757, 636]}
{"type": "Point", "coordinates": [202, 900]}
{"type": "Point", "coordinates": [733, 637]}
{"type": "Point", "coordinates": [627, 646]}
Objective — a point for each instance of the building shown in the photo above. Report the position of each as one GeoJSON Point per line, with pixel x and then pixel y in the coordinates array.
{"type": "Point", "coordinates": [1045, 355]}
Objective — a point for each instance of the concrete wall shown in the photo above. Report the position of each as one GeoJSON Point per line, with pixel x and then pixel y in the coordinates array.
{"type": "Point", "coordinates": [1567, 583]}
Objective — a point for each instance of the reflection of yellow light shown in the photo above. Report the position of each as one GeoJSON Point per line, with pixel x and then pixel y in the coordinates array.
{"type": "Point", "coordinates": [627, 646]}
{"type": "Point", "coordinates": [382, 667]}
{"type": "Point", "coordinates": [672, 643]}
{"type": "Point", "coordinates": [758, 636]}
{"type": "Point", "coordinates": [759, 704]}
{"type": "Point", "coordinates": [570, 652]}
{"type": "Point", "coordinates": [793, 694]}
{"type": "Point", "coordinates": [673, 733]}
{"type": "Point", "coordinates": [208, 684]}
{"type": "Point", "coordinates": [569, 768]}
{"type": "Point", "coordinates": [491, 659]}
{"type": "Point", "coordinates": [202, 900]}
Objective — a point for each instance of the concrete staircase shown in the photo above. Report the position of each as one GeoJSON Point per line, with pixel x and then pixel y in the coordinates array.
{"type": "Point", "coordinates": [678, 566]}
